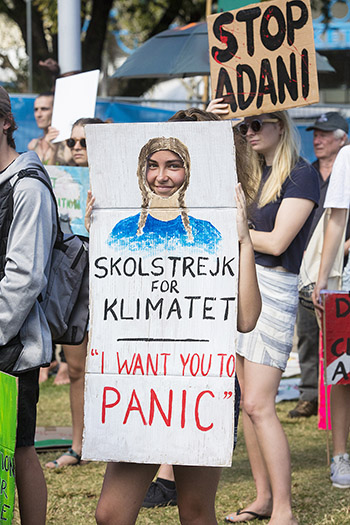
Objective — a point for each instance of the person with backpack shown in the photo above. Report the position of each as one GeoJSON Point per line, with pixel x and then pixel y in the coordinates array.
{"type": "Point", "coordinates": [28, 228]}
{"type": "Point", "coordinates": [76, 354]}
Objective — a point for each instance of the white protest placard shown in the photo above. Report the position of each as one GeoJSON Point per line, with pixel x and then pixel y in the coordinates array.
{"type": "Point", "coordinates": [163, 288]}
{"type": "Point", "coordinates": [75, 97]}
{"type": "Point", "coordinates": [262, 57]}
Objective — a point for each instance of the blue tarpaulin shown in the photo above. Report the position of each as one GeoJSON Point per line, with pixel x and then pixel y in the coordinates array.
{"type": "Point", "coordinates": [23, 110]}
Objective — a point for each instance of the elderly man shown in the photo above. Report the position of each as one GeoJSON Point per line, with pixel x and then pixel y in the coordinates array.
{"type": "Point", "coordinates": [338, 200]}
{"type": "Point", "coordinates": [330, 135]}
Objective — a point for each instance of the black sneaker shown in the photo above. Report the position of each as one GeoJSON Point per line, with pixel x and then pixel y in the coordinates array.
{"type": "Point", "coordinates": [159, 496]}
{"type": "Point", "coordinates": [304, 409]}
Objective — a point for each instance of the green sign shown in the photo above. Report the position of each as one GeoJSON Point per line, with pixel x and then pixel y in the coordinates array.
{"type": "Point", "coordinates": [229, 5]}
{"type": "Point", "coordinates": [8, 423]}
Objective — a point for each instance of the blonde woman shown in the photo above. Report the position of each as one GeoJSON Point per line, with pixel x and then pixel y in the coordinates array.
{"type": "Point", "coordinates": [287, 192]}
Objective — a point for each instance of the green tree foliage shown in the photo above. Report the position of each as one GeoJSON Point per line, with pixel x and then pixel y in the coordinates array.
{"type": "Point", "coordinates": [142, 18]}
{"type": "Point", "coordinates": [44, 32]}
{"type": "Point", "coordinates": [146, 18]}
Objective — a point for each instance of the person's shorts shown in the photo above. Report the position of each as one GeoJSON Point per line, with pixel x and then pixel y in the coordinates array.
{"type": "Point", "coordinates": [270, 343]}
{"type": "Point", "coordinates": [28, 396]}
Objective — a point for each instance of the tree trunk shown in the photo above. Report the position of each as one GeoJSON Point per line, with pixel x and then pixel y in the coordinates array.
{"type": "Point", "coordinates": [92, 46]}
{"type": "Point", "coordinates": [39, 45]}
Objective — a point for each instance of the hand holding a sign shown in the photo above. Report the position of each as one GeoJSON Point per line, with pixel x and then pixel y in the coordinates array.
{"type": "Point", "coordinates": [218, 106]}
{"type": "Point", "coordinates": [332, 240]}
{"type": "Point", "coordinates": [249, 299]}
{"type": "Point", "coordinates": [51, 134]}
{"type": "Point", "coordinates": [316, 298]}
{"type": "Point", "coordinates": [242, 222]}
{"type": "Point", "coordinates": [90, 201]}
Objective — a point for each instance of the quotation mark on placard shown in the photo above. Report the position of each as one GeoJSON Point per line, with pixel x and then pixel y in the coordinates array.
{"type": "Point", "coordinates": [227, 395]}
{"type": "Point", "coordinates": [94, 351]}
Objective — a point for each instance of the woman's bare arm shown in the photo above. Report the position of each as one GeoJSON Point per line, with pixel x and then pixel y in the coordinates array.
{"type": "Point", "coordinates": [332, 239]}
{"type": "Point", "coordinates": [90, 200]}
{"type": "Point", "coordinates": [290, 218]}
{"type": "Point", "coordinates": [249, 300]}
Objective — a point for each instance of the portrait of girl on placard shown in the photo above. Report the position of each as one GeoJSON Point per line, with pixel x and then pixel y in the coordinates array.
{"type": "Point", "coordinates": [163, 223]}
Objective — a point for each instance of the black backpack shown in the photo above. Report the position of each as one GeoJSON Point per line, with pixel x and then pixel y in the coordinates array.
{"type": "Point", "coordinates": [66, 302]}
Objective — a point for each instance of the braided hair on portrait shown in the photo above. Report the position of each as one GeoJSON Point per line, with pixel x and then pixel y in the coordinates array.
{"type": "Point", "coordinates": [152, 146]}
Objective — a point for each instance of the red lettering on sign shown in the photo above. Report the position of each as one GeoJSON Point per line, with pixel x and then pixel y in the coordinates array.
{"type": "Point", "coordinates": [136, 407]}
{"type": "Point", "coordinates": [194, 367]}
{"type": "Point", "coordinates": [183, 409]}
{"type": "Point", "coordinates": [104, 400]}
{"type": "Point", "coordinates": [154, 400]}
{"type": "Point", "coordinates": [208, 367]}
{"type": "Point", "coordinates": [231, 365]}
{"type": "Point", "coordinates": [196, 411]}
{"type": "Point", "coordinates": [184, 363]}
{"type": "Point", "coordinates": [222, 363]}
{"type": "Point", "coordinates": [165, 363]}
{"type": "Point", "coordinates": [150, 365]}
{"type": "Point", "coordinates": [138, 365]}
{"type": "Point", "coordinates": [125, 365]}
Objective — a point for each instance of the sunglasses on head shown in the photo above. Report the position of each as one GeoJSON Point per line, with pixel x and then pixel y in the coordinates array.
{"type": "Point", "coordinates": [255, 125]}
{"type": "Point", "coordinates": [71, 143]}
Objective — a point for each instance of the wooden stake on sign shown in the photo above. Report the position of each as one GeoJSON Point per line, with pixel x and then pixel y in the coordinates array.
{"type": "Point", "coordinates": [325, 382]}
{"type": "Point", "coordinates": [205, 97]}
{"type": "Point", "coordinates": [262, 57]}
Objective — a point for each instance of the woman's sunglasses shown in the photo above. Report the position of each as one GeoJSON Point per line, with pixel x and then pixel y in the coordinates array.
{"type": "Point", "coordinates": [255, 125]}
{"type": "Point", "coordinates": [71, 143]}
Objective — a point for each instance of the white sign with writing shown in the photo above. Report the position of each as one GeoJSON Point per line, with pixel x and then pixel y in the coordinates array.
{"type": "Point", "coordinates": [163, 278]}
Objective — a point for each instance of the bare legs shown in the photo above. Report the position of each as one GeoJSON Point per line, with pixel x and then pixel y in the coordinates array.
{"type": "Point", "coordinates": [75, 356]}
{"type": "Point", "coordinates": [340, 411]}
{"type": "Point", "coordinates": [31, 487]}
{"type": "Point", "coordinates": [62, 376]}
{"type": "Point", "coordinates": [125, 486]}
{"type": "Point", "coordinates": [166, 472]}
{"type": "Point", "coordinates": [266, 442]}
{"type": "Point", "coordinates": [196, 490]}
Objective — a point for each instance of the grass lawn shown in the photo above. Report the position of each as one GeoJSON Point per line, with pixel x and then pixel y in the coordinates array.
{"type": "Point", "coordinates": [73, 492]}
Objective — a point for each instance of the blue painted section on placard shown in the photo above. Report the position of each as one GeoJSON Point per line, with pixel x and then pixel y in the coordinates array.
{"type": "Point", "coordinates": [70, 185]}
{"type": "Point", "coordinates": [160, 235]}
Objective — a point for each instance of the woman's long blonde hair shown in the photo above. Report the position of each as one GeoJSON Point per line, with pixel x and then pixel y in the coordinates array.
{"type": "Point", "coordinates": [286, 156]}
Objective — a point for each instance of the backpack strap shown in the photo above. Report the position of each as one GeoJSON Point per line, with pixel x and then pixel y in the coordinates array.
{"type": "Point", "coordinates": [33, 173]}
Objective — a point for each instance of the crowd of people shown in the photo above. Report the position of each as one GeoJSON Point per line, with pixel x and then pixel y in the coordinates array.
{"type": "Point", "coordinates": [293, 232]}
